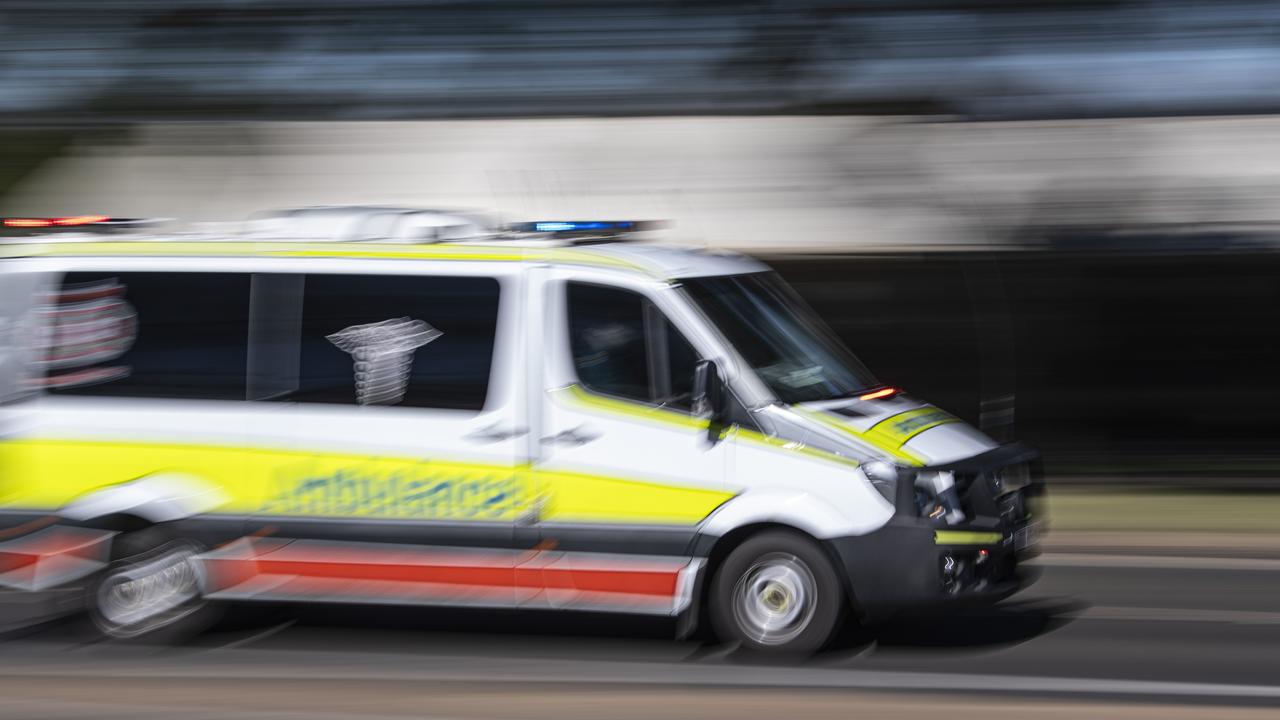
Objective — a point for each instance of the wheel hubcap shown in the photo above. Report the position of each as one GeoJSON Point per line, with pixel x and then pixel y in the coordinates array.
{"type": "Point", "coordinates": [774, 599]}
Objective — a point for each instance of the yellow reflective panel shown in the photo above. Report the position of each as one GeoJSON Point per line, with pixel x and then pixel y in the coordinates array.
{"type": "Point", "coordinates": [902, 427]}
{"type": "Point", "coordinates": [46, 474]}
{"type": "Point", "coordinates": [383, 488]}
{"type": "Point", "coordinates": [587, 498]}
{"type": "Point", "coordinates": [576, 497]}
{"type": "Point", "coordinates": [790, 446]}
{"type": "Point", "coordinates": [578, 396]}
{"type": "Point", "coordinates": [586, 257]}
{"type": "Point", "coordinates": [495, 252]}
{"type": "Point", "coordinates": [961, 537]}
{"type": "Point", "coordinates": [882, 441]}
{"type": "Point", "coordinates": [407, 252]}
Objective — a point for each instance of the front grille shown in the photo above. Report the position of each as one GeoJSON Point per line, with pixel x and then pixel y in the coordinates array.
{"type": "Point", "coordinates": [982, 497]}
{"type": "Point", "coordinates": [1012, 507]}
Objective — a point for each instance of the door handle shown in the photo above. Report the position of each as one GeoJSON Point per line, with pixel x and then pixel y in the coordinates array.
{"type": "Point", "coordinates": [573, 437]}
{"type": "Point", "coordinates": [497, 432]}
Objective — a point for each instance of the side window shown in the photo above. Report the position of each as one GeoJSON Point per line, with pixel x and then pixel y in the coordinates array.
{"type": "Point", "coordinates": [415, 341]}
{"type": "Point", "coordinates": [147, 335]}
{"type": "Point", "coordinates": [623, 346]}
{"type": "Point", "coordinates": [606, 332]}
{"type": "Point", "coordinates": [21, 294]}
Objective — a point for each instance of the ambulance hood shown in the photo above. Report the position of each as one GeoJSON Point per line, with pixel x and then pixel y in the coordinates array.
{"type": "Point", "coordinates": [899, 429]}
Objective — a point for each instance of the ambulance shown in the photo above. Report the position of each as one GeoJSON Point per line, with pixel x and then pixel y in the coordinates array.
{"type": "Point", "coordinates": [398, 406]}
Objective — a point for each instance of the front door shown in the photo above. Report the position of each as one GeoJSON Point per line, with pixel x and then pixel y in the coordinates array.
{"type": "Point", "coordinates": [625, 473]}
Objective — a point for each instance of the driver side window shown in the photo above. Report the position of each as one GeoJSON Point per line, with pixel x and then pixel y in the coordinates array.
{"type": "Point", "coordinates": [624, 347]}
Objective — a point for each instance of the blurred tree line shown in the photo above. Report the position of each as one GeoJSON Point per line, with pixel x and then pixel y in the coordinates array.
{"type": "Point", "coordinates": [121, 60]}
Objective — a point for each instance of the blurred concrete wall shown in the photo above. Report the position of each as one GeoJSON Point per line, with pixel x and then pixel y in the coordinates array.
{"type": "Point", "coordinates": [756, 183]}
{"type": "Point", "coordinates": [736, 181]}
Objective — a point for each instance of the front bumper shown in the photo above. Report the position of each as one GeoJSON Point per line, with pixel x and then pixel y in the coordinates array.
{"type": "Point", "coordinates": [911, 567]}
{"type": "Point", "coordinates": [912, 564]}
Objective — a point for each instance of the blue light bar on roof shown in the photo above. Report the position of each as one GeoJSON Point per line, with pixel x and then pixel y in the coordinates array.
{"type": "Point", "coordinates": [574, 226]}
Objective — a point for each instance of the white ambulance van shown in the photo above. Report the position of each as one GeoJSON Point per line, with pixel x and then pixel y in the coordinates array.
{"type": "Point", "coordinates": [409, 409]}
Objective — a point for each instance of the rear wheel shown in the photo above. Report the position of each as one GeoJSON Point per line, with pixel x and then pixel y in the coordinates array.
{"type": "Point", "coordinates": [153, 587]}
{"type": "Point", "coordinates": [777, 592]}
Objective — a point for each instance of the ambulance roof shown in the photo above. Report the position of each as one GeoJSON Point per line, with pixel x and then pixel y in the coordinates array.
{"type": "Point", "coordinates": [379, 233]}
{"type": "Point", "coordinates": [664, 262]}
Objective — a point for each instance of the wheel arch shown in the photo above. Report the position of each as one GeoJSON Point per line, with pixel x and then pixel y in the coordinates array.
{"type": "Point", "coordinates": [716, 548]}
{"type": "Point", "coordinates": [151, 499]}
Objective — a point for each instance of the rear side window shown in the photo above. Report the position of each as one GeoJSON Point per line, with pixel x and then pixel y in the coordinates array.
{"type": "Point", "coordinates": [343, 339]}
{"type": "Point", "coordinates": [415, 341]}
{"type": "Point", "coordinates": [623, 346]}
{"type": "Point", "coordinates": [147, 335]}
{"type": "Point", "coordinates": [21, 298]}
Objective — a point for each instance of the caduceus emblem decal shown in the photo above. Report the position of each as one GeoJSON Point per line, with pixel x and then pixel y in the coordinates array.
{"type": "Point", "coordinates": [383, 356]}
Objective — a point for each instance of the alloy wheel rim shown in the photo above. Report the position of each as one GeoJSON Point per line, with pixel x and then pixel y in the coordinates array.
{"type": "Point", "coordinates": [143, 596]}
{"type": "Point", "coordinates": [775, 599]}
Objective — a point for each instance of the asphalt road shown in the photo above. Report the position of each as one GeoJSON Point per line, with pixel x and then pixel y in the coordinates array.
{"type": "Point", "coordinates": [1098, 635]}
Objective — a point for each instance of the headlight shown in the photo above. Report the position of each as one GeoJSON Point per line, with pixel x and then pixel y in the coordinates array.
{"type": "Point", "coordinates": [1011, 478]}
{"type": "Point", "coordinates": [884, 478]}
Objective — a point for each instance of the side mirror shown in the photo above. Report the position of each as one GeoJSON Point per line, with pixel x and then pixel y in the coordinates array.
{"type": "Point", "coordinates": [709, 395]}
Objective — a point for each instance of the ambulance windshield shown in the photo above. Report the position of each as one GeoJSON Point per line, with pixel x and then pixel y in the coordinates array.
{"type": "Point", "coordinates": [787, 345]}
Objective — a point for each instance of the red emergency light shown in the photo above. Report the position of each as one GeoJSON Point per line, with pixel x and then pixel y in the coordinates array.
{"type": "Point", "coordinates": [69, 221]}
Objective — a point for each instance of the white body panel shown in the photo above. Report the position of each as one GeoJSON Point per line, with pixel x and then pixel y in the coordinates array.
{"type": "Point", "coordinates": [158, 498]}
{"type": "Point", "coordinates": [825, 502]}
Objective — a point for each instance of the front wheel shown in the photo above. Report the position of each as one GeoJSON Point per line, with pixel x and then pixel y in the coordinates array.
{"type": "Point", "coordinates": [777, 592]}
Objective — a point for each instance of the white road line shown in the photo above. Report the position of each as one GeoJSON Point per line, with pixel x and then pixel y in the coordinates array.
{"type": "Point", "coordinates": [1179, 562]}
{"type": "Point", "coordinates": [340, 667]}
{"type": "Point", "coordinates": [260, 635]}
{"type": "Point", "coordinates": [1236, 617]}
{"type": "Point", "coordinates": [1065, 685]}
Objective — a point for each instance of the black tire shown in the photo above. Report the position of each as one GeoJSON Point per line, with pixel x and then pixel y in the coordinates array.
{"type": "Point", "coordinates": [778, 593]}
{"type": "Point", "coordinates": [150, 555]}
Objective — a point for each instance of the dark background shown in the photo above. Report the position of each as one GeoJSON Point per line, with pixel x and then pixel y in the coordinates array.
{"type": "Point", "coordinates": [1156, 364]}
